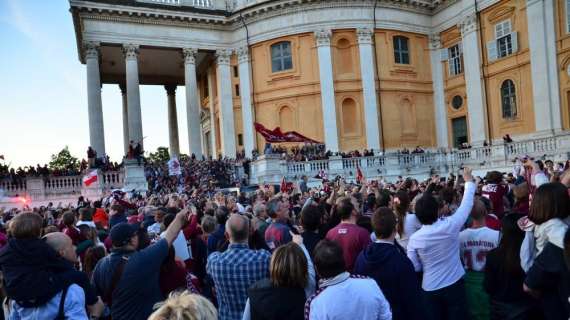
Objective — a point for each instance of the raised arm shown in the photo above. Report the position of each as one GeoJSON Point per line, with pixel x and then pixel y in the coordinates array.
{"type": "Point", "coordinates": [462, 213]}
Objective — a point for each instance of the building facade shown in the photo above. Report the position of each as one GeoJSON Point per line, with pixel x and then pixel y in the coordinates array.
{"type": "Point", "coordinates": [359, 74]}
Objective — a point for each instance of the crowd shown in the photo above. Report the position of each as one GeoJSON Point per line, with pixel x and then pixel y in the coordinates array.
{"type": "Point", "coordinates": [456, 247]}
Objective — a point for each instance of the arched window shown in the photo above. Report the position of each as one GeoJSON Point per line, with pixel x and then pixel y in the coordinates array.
{"type": "Point", "coordinates": [286, 121]}
{"type": "Point", "coordinates": [508, 100]}
{"type": "Point", "coordinates": [401, 51]}
{"type": "Point", "coordinates": [281, 58]}
{"type": "Point", "coordinates": [349, 116]}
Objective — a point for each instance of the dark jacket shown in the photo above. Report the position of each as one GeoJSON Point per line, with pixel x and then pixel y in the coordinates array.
{"type": "Point", "coordinates": [393, 271]}
{"type": "Point", "coordinates": [549, 275]}
{"type": "Point", "coordinates": [34, 273]}
{"type": "Point", "coordinates": [271, 303]}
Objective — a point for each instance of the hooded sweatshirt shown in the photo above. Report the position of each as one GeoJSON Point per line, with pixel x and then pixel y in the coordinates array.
{"type": "Point", "coordinates": [394, 273]}
{"type": "Point", "coordinates": [34, 273]}
{"type": "Point", "coordinates": [275, 303]}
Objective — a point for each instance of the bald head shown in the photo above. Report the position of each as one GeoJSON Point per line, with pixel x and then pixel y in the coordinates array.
{"type": "Point", "coordinates": [237, 228]}
{"type": "Point", "coordinates": [62, 244]}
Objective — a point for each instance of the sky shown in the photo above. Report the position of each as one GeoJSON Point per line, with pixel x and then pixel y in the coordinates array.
{"type": "Point", "coordinates": [43, 92]}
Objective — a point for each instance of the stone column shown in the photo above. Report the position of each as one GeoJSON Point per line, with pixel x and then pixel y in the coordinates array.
{"type": "Point", "coordinates": [172, 121]}
{"type": "Point", "coordinates": [94, 107]}
{"type": "Point", "coordinates": [245, 94]}
{"type": "Point", "coordinates": [368, 72]}
{"type": "Point", "coordinates": [213, 123]}
{"type": "Point", "coordinates": [323, 38]}
{"type": "Point", "coordinates": [543, 64]}
{"type": "Point", "coordinates": [192, 101]}
{"type": "Point", "coordinates": [131, 52]}
{"type": "Point", "coordinates": [474, 87]}
{"type": "Point", "coordinates": [438, 92]}
{"type": "Point", "coordinates": [126, 140]}
{"type": "Point", "coordinates": [226, 104]}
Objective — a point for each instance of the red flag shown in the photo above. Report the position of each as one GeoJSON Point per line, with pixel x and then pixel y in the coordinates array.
{"type": "Point", "coordinates": [90, 178]}
{"type": "Point", "coordinates": [359, 175]}
{"type": "Point", "coordinates": [276, 135]}
{"type": "Point", "coordinates": [283, 186]}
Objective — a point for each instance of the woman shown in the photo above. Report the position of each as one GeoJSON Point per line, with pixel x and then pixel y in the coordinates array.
{"type": "Point", "coordinates": [283, 295]}
{"type": "Point", "coordinates": [407, 221]}
{"type": "Point", "coordinates": [504, 276]}
{"type": "Point", "coordinates": [185, 306]}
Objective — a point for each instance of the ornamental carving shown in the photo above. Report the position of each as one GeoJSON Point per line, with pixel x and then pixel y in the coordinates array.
{"type": "Point", "coordinates": [243, 54]}
{"type": "Point", "coordinates": [91, 49]}
{"type": "Point", "coordinates": [364, 35]}
{"type": "Point", "coordinates": [131, 51]}
{"type": "Point", "coordinates": [468, 24]}
{"type": "Point", "coordinates": [223, 56]}
{"type": "Point", "coordinates": [189, 55]}
{"type": "Point", "coordinates": [323, 37]}
{"type": "Point", "coordinates": [434, 41]}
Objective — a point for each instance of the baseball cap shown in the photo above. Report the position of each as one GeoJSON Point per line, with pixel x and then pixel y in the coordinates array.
{"type": "Point", "coordinates": [122, 233]}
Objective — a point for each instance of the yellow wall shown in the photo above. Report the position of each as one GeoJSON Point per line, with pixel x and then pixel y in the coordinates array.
{"type": "Point", "coordinates": [406, 92]}
{"type": "Point", "coordinates": [515, 67]}
{"type": "Point", "coordinates": [563, 55]}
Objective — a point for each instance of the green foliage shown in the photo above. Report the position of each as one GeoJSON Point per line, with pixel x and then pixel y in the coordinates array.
{"type": "Point", "coordinates": [63, 160]}
{"type": "Point", "coordinates": [161, 155]}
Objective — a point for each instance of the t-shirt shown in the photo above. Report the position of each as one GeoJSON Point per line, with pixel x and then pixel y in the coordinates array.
{"type": "Point", "coordinates": [352, 239]}
{"type": "Point", "coordinates": [277, 234]}
{"type": "Point", "coordinates": [495, 193]}
{"type": "Point", "coordinates": [411, 225]}
{"type": "Point", "coordinates": [474, 245]}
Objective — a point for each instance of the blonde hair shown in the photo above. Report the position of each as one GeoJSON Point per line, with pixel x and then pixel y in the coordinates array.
{"type": "Point", "coordinates": [288, 267]}
{"type": "Point", "coordinates": [184, 306]}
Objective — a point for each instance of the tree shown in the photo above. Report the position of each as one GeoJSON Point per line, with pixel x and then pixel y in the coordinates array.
{"type": "Point", "coordinates": [161, 155]}
{"type": "Point", "coordinates": [63, 160]}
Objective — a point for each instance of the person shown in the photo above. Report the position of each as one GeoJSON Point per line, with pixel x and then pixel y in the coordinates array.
{"type": "Point", "coordinates": [386, 262]}
{"type": "Point", "coordinates": [407, 222]}
{"type": "Point", "coordinates": [156, 227]}
{"type": "Point", "coordinates": [351, 237]}
{"type": "Point", "coordinates": [336, 285]}
{"type": "Point", "coordinates": [495, 190]}
{"type": "Point", "coordinates": [282, 295]}
{"type": "Point", "coordinates": [474, 243]}
{"type": "Point", "coordinates": [70, 229]}
{"type": "Point", "coordinates": [504, 276]}
{"type": "Point", "coordinates": [434, 250]}
{"type": "Point", "coordinates": [184, 306]}
{"type": "Point", "coordinates": [303, 185]}
{"type": "Point", "coordinates": [117, 215]}
{"type": "Point", "coordinates": [259, 226]}
{"type": "Point", "coordinates": [127, 279]}
{"type": "Point", "coordinates": [311, 216]}
{"type": "Point", "coordinates": [236, 269]}
{"type": "Point", "coordinates": [278, 232]}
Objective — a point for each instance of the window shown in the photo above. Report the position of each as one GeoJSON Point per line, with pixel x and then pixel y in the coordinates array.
{"type": "Point", "coordinates": [457, 102]}
{"type": "Point", "coordinates": [281, 58]}
{"type": "Point", "coordinates": [454, 61]}
{"type": "Point", "coordinates": [508, 100]}
{"type": "Point", "coordinates": [401, 52]}
{"type": "Point", "coordinates": [505, 43]}
{"type": "Point", "coordinates": [237, 90]}
{"type": "Point", "coordinates": [236, 73]}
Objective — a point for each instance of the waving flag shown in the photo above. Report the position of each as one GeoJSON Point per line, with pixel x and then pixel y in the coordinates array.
{"type": "Point", "coordinates": [359, 175]}
{"type": "Point", "coordinates": [276, 135]}
{"type": "Point", "coordinates": [90, 178]}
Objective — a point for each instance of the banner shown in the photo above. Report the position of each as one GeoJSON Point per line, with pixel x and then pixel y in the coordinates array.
{"type": "Point", "coordinates": [174, 167]}
{"type": "Point", "coordinates": [276, 135]}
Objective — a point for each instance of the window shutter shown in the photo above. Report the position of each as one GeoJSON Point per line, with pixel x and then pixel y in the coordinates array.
{"type": "Point", "coordinates": [492, 50]}
{"type": "Point", "coordinates": [514, 42]}
{"type": "Point", "coordinates": [460, 46]}
{"type": "Point", "coordinates": [444, 54]}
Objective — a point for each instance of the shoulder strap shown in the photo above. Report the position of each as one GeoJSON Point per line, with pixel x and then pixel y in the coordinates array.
{"type": "Point", "coordinates": [108, 295]}
{"type": "Point", "coordinates": [61, 311]}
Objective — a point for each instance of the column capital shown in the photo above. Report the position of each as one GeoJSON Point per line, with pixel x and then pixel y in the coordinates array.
{"type": "Point", "coordinates": [364, 35]}
{"type": "Point", "coordinates": [223, 56]}
{"type": "Point", "coordinates": [243, 54]}
{"type": "Point", "coordinates": [123, 88]}
{"type": "Point", "coordinates": [323, 37]}
{"type": "Point", "coordinates": [91, 49]}
{"type": "Point", "coordinates": [434, 41]}
{"type": "Point", "coordinates": [468, 24]}
{"type": "Point", "coordinates": [131, 51]}
{"type": "Point", "coordinates": [170, 89]}
{"type": "Point", "coordinates": [189, 55]}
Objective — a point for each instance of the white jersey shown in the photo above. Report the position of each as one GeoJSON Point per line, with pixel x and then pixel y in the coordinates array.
{"type": "Point", "coordinates": [474, 245]}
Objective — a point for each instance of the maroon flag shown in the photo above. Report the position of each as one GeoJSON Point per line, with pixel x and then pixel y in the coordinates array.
{"type": "Point", "coordinates": [276, 135]}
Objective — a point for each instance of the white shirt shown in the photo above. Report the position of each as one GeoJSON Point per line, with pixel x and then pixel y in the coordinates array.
{"type": "Point", "coordinates": [474, 245]}
{"type": "Point", "coordinates": [435, 248]}
{"type": "Point", "coordinates": [154, 228]}
{"type": "Point", "coordinates": [411, 225]}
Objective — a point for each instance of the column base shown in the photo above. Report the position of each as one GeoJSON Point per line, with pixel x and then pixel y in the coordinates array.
{"type": "Point", "coordinates": [134, 177]}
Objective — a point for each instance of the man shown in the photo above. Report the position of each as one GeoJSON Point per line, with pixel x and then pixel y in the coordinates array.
{"type": "Point", "coordinates": [386, 262]}
{"type": "Point", "coordinates": [342, 296]}
{"type": "Point", "coordinates": [277, 233]}
{"type": "Point", "coordinates": [234, 270]}
{"type": "Point", "coordinates": [70, 230]}
{"type": "Point", "coordinates": [217, 238]}
{"type": "Point", "coordinates": [495, 190]}
{"type": "Point", "coordinates": [475, 242]}
{"type": "Point", "coordinates": [311, 217]}
{"type": "Point", "coordinates": [303, 185]}
{"type": "Point", "coordinates": [434, 250]}
{"type": "Point", "coordinates": [259, 226]}
{"type": "Point", "coordinates": [128, 280]}
{"type": "Point", "coordinates": [351, 237]}
{"type": "Point", "coordinates": [117, 215]}
{"type": "Point", "coordinates": [156, 227]}
{"type": "Point", "coordinates": [70, 302]}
